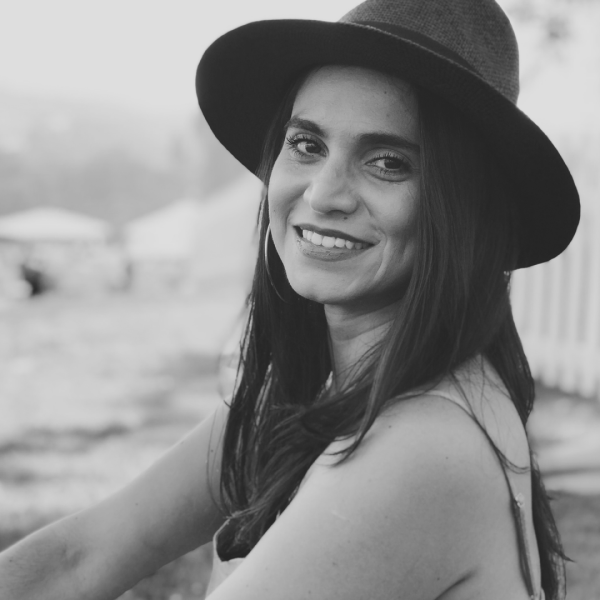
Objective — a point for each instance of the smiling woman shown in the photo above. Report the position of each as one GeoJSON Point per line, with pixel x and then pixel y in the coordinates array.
{"type": "Point", "coordinates": [348, 172]}
{"type": "Point", "coordinates": [383, 390]}
{"type": "Point", "coordinates": [375, 443]}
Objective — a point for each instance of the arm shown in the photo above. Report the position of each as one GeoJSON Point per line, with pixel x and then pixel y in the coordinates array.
{"type": "Point", "coordinates": [101, 552]}
{"type": "Point", "coordinates": [407, 516]}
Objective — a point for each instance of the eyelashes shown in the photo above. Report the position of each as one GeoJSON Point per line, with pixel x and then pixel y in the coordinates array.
{"type": "Point", "coordinates": [399, 164]}
{"type": "Point", "coordinates": [390, 165]}
{"type": "Point", "coordinates": [293, 142]}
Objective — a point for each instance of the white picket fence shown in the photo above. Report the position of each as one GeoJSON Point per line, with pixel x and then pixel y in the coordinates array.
{"type": "Point", "coordinates": [557, 305]}
{"type": "Point", "coordinates": [557, 312]}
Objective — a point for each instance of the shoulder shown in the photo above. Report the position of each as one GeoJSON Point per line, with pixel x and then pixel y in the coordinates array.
{"type": "Point", "coordinates": [411, 513]}
{"type": "Point", "coordinates": [427, 461]}
{"type": "Point", "coordinates": [397, 518]}
{"type": "Point", "coordinates": [426, 443]}
{"type": "Point", "coordinates": [476, 393]}
{"type": "Point", "coordinates": [442, 425]}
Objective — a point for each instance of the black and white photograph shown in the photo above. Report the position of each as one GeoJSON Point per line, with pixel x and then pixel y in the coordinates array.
{"type": "Point", "coordinates": [300, 300]}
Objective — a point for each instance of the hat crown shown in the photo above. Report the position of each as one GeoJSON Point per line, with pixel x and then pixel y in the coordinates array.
{"type": "Point", "coordinates": [478, 31]}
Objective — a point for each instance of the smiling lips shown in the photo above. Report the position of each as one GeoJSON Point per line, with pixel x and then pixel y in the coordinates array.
{"type": "Point", "coordinates": [326, 241]}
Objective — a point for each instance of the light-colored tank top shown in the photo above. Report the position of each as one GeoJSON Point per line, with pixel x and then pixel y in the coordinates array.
{"type": "Point", "coordinates": [473, 378]}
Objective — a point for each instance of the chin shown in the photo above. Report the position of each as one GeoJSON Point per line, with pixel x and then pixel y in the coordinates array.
{"type": "Point", "coordinates": [318, 294]}
{"type": "Point", "coordinates": [330, 294]}
{"type": "Point", "coordinates": [318, 291]}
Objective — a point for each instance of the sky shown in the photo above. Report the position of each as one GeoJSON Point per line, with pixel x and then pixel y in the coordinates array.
{"type": "Point", "coordinates": [143, 54]}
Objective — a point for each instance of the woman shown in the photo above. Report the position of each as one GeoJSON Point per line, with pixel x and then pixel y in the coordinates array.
{"type": "Point", "coordinates": [414, 152]}
{"type": "Point", "coordinates": [374, 446]}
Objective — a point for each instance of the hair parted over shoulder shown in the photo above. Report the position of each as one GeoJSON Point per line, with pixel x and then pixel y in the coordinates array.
{"type": "Point", "coordinates": [456, 306]}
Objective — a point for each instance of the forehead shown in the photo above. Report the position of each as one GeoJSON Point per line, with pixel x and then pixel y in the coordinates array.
{"type": "Point", "coordinates": [359, 99]}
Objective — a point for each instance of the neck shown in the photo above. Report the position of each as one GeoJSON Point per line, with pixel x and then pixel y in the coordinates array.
{"type": "Point", "coordinates": [352, 334]}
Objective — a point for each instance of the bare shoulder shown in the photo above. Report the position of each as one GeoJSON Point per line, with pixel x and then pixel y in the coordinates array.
{"type": "Point", "coordinates": [427, 481]}
{"type": "Point", "coordinates": [417, 437]}
{"type": "Point", "coordinates": [458, 423]}
{"type": "Point", "coordinates": [406, 515]}
{"type": "Point", "coordinates": [427, 445]}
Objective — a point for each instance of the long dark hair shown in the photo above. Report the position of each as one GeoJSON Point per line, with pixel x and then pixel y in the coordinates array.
{"type": "Point", "coordinates": [456, 307]}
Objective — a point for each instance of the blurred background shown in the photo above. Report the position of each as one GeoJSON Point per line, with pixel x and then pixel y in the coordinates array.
{"type": "Point", "coordinates": [124, 236]}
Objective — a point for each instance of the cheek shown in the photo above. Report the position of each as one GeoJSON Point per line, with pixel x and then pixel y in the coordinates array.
{"type": "Point", "coordinates": [284, 193]}
{"type": "Point", "coordinates": [401, 236]}
{"type": "Point", "coordinates": [401, 223]}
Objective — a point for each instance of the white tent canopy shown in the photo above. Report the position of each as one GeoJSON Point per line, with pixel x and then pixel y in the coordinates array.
{"type": "Point", "coordinates": [225, 238]}
{"type": "Point", "coordinates": [165, 234]}
{"type": "Point", "coordinates": [214, 234]}
{"type": "Point", "coordinates": [52, 224]}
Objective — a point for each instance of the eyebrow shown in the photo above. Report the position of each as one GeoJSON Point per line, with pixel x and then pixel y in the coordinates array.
{"type": "Point", "coordinates": [372, 138]}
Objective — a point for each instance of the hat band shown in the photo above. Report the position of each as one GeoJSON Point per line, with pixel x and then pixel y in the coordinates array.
{"type": "Point", "coordinates": [419, 39]}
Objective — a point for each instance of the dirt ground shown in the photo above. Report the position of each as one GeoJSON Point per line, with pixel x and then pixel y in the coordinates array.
{"type": "Point", "coordinates": [565, 432]}
{"type": "Point", "coordinates": [86, 382]}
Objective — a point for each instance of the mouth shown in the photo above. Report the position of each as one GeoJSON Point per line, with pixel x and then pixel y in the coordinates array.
{"type": "Point", "coordinates": [330, 239]}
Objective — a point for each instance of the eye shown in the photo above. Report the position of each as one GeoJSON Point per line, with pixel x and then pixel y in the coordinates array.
{"type": "Point", "coordinates": [303, 146]}
{"type": "Point", "coordinates": [391, 165]}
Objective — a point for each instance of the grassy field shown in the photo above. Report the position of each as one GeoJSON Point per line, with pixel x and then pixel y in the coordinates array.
{"type": "Point", "coordinates": [85, 383]}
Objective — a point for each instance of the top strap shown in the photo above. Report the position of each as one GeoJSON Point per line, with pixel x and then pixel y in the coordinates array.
{"type": "Point", "coordinates": [518, 509]}
{"type": "Point", "coordinates": [448, 391]}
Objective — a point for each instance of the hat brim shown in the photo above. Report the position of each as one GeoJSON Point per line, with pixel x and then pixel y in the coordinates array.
{"type": "Point", "coordinates": [244, 75]}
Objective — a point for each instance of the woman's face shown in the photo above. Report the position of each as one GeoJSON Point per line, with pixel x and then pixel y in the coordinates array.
{"type": "Point", "coordinates": [344, 189]}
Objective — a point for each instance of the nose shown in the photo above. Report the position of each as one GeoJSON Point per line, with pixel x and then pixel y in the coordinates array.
{"type": "Point", "coordinates": [330, 189]}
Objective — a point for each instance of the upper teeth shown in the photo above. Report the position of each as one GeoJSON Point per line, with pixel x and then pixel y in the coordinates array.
{"type": "Point", "coordinates": [329, 242]}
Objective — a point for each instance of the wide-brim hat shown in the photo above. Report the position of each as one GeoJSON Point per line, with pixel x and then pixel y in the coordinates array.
{"type": "Point", "coordinates": [462, 50]}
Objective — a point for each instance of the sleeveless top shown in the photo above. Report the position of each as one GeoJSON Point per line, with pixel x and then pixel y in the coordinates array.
{"type": "Point", "coordinates": [472, 378]}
